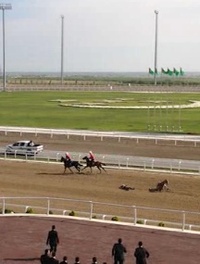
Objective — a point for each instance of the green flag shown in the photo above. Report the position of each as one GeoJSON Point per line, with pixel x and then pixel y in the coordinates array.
{"type": "Point", "coordinates": [163, 71]}
{"type": "Point", "coordinates": [151, 72]}
{"type": "Point", "coordinates": [169, 72]}
{"type": "Point", "coordinates": [175, 72]}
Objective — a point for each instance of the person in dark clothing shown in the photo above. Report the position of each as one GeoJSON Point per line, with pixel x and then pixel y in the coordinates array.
{"type": "Point", "coordinates": [118, 251]}
{"type": "Point", "coordinates": [141, 254]}
{"type": "Point", "coordinates": [64, 261]}
{"type": "Point", "coordinates": [53, 259]}
{"type": "Point", "coordinates": [44, 258]}
{"type": "Point", "coordinates": [77, 260]}
{"type": "Point", "coordinates": [94, 260]}
{"type": "Point", "coordinates": [52, 239]}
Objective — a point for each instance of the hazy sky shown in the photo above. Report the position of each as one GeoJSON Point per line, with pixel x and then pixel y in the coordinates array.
{"type": "Point", "coordinates": [101, 35]}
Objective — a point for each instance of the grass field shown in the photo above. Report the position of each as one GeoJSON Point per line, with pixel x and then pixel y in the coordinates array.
{"type": "Point", "coordinates": [55, 110]}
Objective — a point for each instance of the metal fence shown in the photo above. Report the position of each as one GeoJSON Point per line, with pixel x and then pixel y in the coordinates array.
{"type": "Point", "coordinates": [136, 215]}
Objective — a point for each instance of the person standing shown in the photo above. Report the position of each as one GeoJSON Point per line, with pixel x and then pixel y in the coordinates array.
{"type": "Point", "coordinates": [64, 261]}
{"type": "Point", "coordinates": [53, 259]}
{"type": "Point", "coordinates": [44, 258]}
{"type": "Point", "coordinates": [118, 252]}
{"type": "Point", "coordinates": [94, 260]}
{"type": "Point", "coordinates": [53, 239]}
{"type": "Point", "coordinates": [141, 254]}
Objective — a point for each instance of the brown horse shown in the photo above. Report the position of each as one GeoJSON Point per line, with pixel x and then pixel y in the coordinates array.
{"type": "Point", "coordinates": [160, 186]}
{"type": "Point", "coordinates": [90, 164]}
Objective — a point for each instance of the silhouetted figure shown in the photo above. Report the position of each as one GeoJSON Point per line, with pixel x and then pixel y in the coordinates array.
{"type": "Point", "coordinates": [141, 254]}
{"type": "Point", "coordinates": [44, 258]}
{"type": "Point", "coordinates": [64, 261]}
{"type": "Point", "coordinates": [118, 251]}
{"type": "Point", "coordinates": [52, 239]}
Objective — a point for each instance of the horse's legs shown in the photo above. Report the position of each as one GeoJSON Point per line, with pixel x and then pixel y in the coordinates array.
{"type": "Point", "coordinates": [70, 170]}
{"type": "Point", "coordinates": [99, 168]}
{"type": "Point", "coordinates": [84, 167]}
{"type": "Point", "coordinates": [103, 168]}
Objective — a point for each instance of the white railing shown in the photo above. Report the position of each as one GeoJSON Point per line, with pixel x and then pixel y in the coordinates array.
{"type": "Point", "coordinates": [136, 215]}
{"type": "Point", "coordinates": [85, 134]}
{"type": "Point", "coordinates": [116, 161]}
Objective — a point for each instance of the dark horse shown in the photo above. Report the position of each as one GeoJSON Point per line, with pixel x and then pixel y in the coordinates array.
{"type": "Point", "coordinates": [90, 164]}
{"type": "Point", "coordinates": [160, 186]}
{"type": "Point", "coordinates": [68, 164]}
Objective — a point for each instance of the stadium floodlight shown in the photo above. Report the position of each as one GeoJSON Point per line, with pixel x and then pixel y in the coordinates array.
{"type": "Point", "coordinates": [4, 7]}
{"type": "Point", "coordinates": [156, 47]}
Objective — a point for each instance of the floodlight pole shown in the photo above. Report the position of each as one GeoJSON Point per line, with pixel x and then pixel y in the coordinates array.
{"type": "Point", "coordinates": [156, 47]}
{"type": "Point", "coordinates": [62, 45]}
{"type": "Point", "coordinates": [4, 7]}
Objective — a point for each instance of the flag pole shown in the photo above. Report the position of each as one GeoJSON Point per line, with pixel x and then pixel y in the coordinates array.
{"type": "Point", "coordinates": [156, 47]}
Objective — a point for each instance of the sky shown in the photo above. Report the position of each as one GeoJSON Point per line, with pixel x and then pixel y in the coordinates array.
{"type": "Point", "coordinates": [101, 35]}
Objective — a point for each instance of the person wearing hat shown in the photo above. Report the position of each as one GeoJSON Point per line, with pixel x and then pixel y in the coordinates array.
{"type": "Point", "coordinates": [67, 156]}
{"type": "Point", "coordinates": [91, 157]}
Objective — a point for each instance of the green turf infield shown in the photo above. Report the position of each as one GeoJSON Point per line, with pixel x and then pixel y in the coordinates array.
{"type": "Point", "coordinates": [102, 111]}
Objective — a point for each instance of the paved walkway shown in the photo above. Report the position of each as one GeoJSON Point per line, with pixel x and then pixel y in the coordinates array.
{"type": "Point", "coordinates": [23, 241]}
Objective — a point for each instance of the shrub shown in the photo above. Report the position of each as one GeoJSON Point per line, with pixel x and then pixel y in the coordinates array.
{"type": "Point", "coordinates": [50, 212]}
{"type": "Point", "coordinates": [141, 222]}
{"type": "Point", "coordinates": [7, 211]}
{"type": "Point", "coordinates": [94, 217]}
{"type": "Point", "coordinates": [72, 213]}
{"type": "Point", "coordinates": [161, 224]}
{"type": "Point", "coordinates": [29, 210]}
{"type": "Point", "coordinates": [115, 218]}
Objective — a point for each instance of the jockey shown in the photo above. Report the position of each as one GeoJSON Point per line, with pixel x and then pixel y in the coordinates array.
{"type": "Point", "coordinates": [91, 156]}
{"type": "Point", "coordinates": [67, 156]}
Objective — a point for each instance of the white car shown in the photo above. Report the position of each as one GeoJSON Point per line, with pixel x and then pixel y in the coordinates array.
{"type": "Point", "coordinates": [24, 147]}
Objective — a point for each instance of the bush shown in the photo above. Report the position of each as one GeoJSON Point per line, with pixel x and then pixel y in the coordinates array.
{"type": "Point", "coordinates": [161, 224]}
{"type": "Point", "coordinates": [94, 217]}
{"type": "Point", "coordinates": [50, 212]}
{"type": "Point", "coordinates": [72, 213]}
{"type": "Point", "coordinates": [29, 210]}
{"type": "Point", "coordinates": [7, 211]}
{"type": "Point", "coordinates": [141, 222]}
{"type": "Point", "coordinates": [115, 218]}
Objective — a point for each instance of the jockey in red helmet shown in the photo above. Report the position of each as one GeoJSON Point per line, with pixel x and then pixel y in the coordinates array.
{"type": "Point", "coordinates": [91, 156]}
{"type": "Point", "coordinates": [68, 157]}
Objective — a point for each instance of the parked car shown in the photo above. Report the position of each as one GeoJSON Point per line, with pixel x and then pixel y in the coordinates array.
{"type": "Point", "coordinates": [24, 147]}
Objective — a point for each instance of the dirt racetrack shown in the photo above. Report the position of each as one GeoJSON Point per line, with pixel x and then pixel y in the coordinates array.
{"type": "Point", "coordinates": [24, 239]}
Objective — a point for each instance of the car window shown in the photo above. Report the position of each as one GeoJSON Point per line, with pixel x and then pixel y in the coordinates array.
{"type": "Point", "coordinates": [16, 144]}
{"type": "Point", "coordinates": [22, 144]}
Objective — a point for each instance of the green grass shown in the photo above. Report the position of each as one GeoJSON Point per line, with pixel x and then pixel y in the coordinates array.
{"type": "Point", "coordinates": [37, 109]}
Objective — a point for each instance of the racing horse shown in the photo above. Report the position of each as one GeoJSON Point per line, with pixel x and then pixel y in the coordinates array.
{"type": "Point", "coordinates": [161, 186]}
{"type": "Point", "coordinates": [68, 164]}
{"type": "Point", "coordinates": [90, 164]}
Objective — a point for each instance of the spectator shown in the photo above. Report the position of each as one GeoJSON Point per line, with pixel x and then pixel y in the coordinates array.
{"type": "Point", "coordinates": [94, 260]}
{"type": "Point", "coordinates": [77, 260]}
{"type": "Point", "coordinates": [141, 254]}
{"type": "Point", "coordinates": [52, 239]}
{"type": "Point", "coordinates": [64, 261]}
{"type": "Point", "coordinates": [53, 259]}
{"type": "Point", "coordinates": [118, 251]}
{"type": "Point", "coordinates": [44, 258]}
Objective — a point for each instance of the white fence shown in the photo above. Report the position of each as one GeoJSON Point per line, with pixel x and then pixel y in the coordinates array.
{"type": "Point", "coordinates": [156, 137]}
{"type": "Point", "coordinates": [116, 161]}
{"type": "Point", "coordinates": [136, 215]}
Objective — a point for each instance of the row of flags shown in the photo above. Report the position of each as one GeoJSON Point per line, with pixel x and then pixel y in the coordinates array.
{"type": "Point", "coordinates": [168, 72]}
